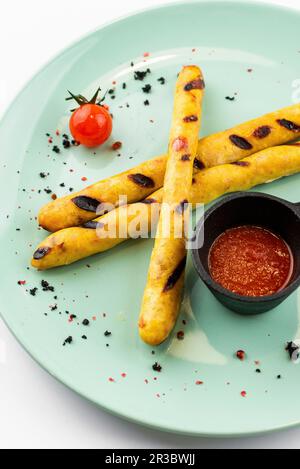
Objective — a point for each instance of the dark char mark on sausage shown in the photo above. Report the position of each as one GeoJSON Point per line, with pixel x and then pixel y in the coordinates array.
{"type": "Point", "coordinates": [41, 253]}
{"type": "Point", "coordinates": [191, 118]}
{"type": "Point", "coordinates": [93, 225]}
{"type": "Point", "coordinates": [173, 279]}
{"type": "Point", "coordinates": [289, 125]}
{"type": "Point", "coordinates": [86, 203]}
{"type": "Point", "coordinates": [262, 132]}
{"type": "Point", "coordinates": [198, 164]}
{"type": "Point", "coordinates": [186, 158]}
{"type": "Point", "coordinates": [241, 163]}
{"type": "Point", "coordinates": [142, 180]}
{"type": "Point", "coordinates": [181, 208]}
{"type": "Point", "coordinates": [149, 201]}
{"type": "Point", "coordinates": [240, 142]}
{"type": "Point", "coordinates": [197, 84]}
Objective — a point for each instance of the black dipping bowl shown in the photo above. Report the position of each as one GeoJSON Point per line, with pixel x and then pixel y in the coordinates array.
{"type": "Point", "coordinates": [248, 208]}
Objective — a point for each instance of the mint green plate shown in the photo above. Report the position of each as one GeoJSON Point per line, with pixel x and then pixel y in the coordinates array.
{"type": "Point", "coordinates": [248, 49]}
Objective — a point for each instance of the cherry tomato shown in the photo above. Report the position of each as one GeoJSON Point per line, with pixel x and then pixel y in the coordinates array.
{"type": "Point", "coordinates": [91, 125]}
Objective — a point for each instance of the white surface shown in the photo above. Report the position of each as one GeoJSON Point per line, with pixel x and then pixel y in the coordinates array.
{"type": "Point", "coordinates": [35, 410]}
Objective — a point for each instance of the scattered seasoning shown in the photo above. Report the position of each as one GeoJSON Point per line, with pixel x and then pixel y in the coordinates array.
{"type": "Point", "coordinates": [53, 308]}
{"type": "Point", "coordinates": [33, 291]}
{"type": "Point", "coordinates": [116, 146]}
{"type": "Point", "coordinates": [241, 355]}
{"type": "Point", "coordinates": [279, 377]}
{"type": "Point", "coordinates": [84, 337]}
{"type": "Point", "coordinates": [66, 143]}
{"type": "Point", "coordinates": [180, 335]}
{"type": "Point", "coordinates": [43, 175]}
{"type": "Point", "coordinates": [22, 282]}
{"type": "Point", "coordinates": [293, 350]}
{"type": "Point", "coordinates": [250, 70]}
{"type": "Point", "coordinates": [199, 383]}
{"type": "Point", "coordinates": [85, 322]}
{"type": "Point", "coordinates": [230, 98]}
{"type": "Point", "coordinates": [84, 179]}
{"type": "Point", "coordinates": [162, 80]}
{"type": "Point", "coordinates": [46, 287]}
{"type": "Point", "coordinates": [53, 196]}
{"type": "Point", "coordinates": [258, 370]}
{"type": "Point", "coordinates": [68, 341]}
{"type": "Point", "coordinates": [147, 88]}
{"type": "Point", "coordinates": [56, 149]}
{"type": "Point", "coordinates": [243, 394]}
{"type": "Point", "coordinates": [156, 367]}
{"type": "Point", "coordinates": [124, 375]}
{"type": "Point", "coordinates": [146, 381]}
{"type": "Point", "coordinates": [141, 75]}
{"type": "Point", "coordinates": [124, 86]}
{"type": "Point", "coordinates": [107, 334]}
{"type": "Point", "coordinates": [146, 103]}
{"type": "Point", "coordinates": [146, 54]}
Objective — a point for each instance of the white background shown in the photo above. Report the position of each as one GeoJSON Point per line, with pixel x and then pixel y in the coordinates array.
{"type": "Point", "coordinates": [35, 410]}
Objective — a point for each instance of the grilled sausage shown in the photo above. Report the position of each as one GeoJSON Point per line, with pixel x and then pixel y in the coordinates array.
{"type": "Point", "coordinates": [72, 244]}
{"type": "Point", "coordinates": [224, 147]}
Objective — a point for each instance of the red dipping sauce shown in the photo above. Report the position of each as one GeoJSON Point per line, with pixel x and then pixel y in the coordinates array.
{"type": "Point", "coordinates": [251, 261]}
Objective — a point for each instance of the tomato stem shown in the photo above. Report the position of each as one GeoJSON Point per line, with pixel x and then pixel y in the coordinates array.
{"type": "Point", "coordinates": [81, 100]}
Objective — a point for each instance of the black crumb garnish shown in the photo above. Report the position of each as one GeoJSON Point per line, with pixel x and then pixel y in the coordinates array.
{"type": "Point", "coordinates": [146, 103]}
{"type": "Point", "coordinates": [258, 370]}
{"type": "Point", "coordinates": [56, 149]}
{"type": "Point", "coordinates": [124, 86]}
{"type": "Point", "coordinates": [71, 189]}
{"type": "Point", "coordinates": [46, 287]}
{"type": "Point", "coordinates": [141, 75]}
{"type": "Point", "coordinates": [53, 308]}
{"type": "Point", "coordinates": [68, 340]}
{"type": "Point", "coordinates": [84, 337]}
{"type": "Point", "coordinates": [279, 377]}
{"type": "Point", "coordinates": [107, 334]}
{"type": "Point", "coordinates": [293, 350]}
{"type": "Point", "coordinates": [230, 98]}
{"type": "Point", "coordinates": [147, 88]}
{"type": "Point", "coordinates": [43, 175]}
{"type": "Point", "coordinates": [33, 291]}
{"type": "Point", "coordinates": [66, 143]}
{"type": "Point", "coordinates": [73, 316]}
{"type": "Point", "coordinates": [156, 367]}
{"type": "Point", "coordinates": [111, 91]}
{"type": "Point", "coordinates": [62, 184]}
{"type": "Point", "coordinates": [162, 80]}
{"type": "Point", "coordinates": [48, 191]}
{"type": "Point", "coordinates": [85, 322]}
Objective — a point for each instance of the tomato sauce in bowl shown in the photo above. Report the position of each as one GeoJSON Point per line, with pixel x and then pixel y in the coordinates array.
{"type": "Point", "coordinates": [251, 261]}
